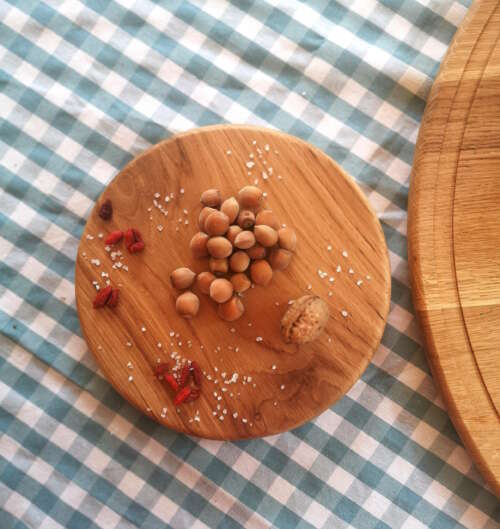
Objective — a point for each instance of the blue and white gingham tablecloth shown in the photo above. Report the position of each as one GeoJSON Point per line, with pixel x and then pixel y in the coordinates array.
{"type": "Point", "coordinates": [85, 86]}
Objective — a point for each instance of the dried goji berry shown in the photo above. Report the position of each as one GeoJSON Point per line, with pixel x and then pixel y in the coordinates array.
{"type": "Point", "coordinates": [102, 297]}
{"type": "Point", "coordinates": [196, 372]}
{"type": "Point", "coordinates": [113, 299]}
{"type": "Point", "coordinates": [182, 395]}
{"type": "Point", "coordinates": [106, 210]}
{"type": "Point", "coordinates": [133, 240]}
{"type": "Point", "coordinates": [170, 380]}
{"type": "Point", "coordinates": [185, 373]}
{"type": "Point", "coordinates": [136, 247]}
{"type": "Point", "coordinates": [114, 237]}
{"type": "Point", "coordinates": [161, 369]}
{"type": "Point", "coordinates": [194, 395]}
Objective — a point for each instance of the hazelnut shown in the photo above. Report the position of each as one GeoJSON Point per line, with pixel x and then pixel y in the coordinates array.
{"type": "Point", "coordinates": [232, 232]}
{"type": "Point", "coordinates": [231, 208]}
{"type": "Point", "coordinates": [250, 197]}
{"type": "Point", "coordinates": [240, 282]}
{"type": "Point", "coordinates": [239, 261]}
{"type": "Point", "coordinates": [218, 266]}
{"type": "Point", "coordinates": [221, 290]}
{"type": "Point", "coordinates": [265, 235]}
{"type": "Point", "coordinates": [305, 320]}
{"type": "Point", "coordinates": [261, 272]}
{"type": "Point", "coordinates": [268, 218]}
{"type": "Point", "coordinates": [257, 252]}
{"type": "Point", "coordinates": [182, 278]}
{"type": "Point", "coordinates": [219, 247]}
{"type": "Point", "coordinates": [231, 310]}
{"type": "Point", "coordinates": [198, 245]}
{"type": "Point", "coordinates": [211, 198]}
{"type": "Point", "coordinates": [279, 258]}
{"type": "Point", "coordinates": [204, 213]}
{"type": "Point", "coordinates": [216, 223]}
{"type": "Point", "coordinates": [187, 304]}
{"type": "Point", "coordinates": [244, 240]}
{"type": "Point", "coordinates": [246, 219]}
{"type": "Point", "coordinates": [287, 239]}
{"type": "Point", "coordinates": [204, 280]}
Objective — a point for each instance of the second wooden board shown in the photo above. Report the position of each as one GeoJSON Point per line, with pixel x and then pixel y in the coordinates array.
{"type": "Point", "coordinates": [254, 384]}
{"type": "Point", "coordinates": [454, 234]}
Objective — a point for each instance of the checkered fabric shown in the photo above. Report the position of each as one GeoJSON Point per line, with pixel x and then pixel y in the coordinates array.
{"type": "Point", "coordinates": [85, 85]}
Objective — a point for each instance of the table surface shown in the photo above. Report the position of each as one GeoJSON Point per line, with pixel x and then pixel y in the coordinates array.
{"type": "Point", "coordinates": [87, 86]}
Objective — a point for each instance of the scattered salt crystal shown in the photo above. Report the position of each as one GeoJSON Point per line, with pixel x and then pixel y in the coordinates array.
{"type": "Point", "coordinates": [224, 411]}
{"type": "Point", "coordinates": [89, 237]}
{"type": "Point", "coordinates": [250, 164]}
{"type": "Point", "coordinates": [368, 278]}
{"type": "Point", "coordinates": [282, 387]}
{"type": "Point", "coordinates": [143, 329]}
{"type": "Point", "coordinates": [159, 227]}
{"type": "Point", "coordinates": [228, 152]}
{"type": "Point", "coordinates": [258, 339]}
{"type": "Point", "coordinates": [254, 142]}
{"type": "Point", "coordinates": [275, 403]}
{"type": "Point", "coordinates": [130, 378]}
{"type": "Point", "coordinates": [235, 415]}
{"type": "Point", "coordinates": [157, 195]}
{"type": "Point", "coordinates": [344, 313]}
{"type": "Point", "coordinates": [264, 176]}
{"type": "Point", "coordinates": [167, 199]}
{"type": "Point", "coordinates": [158, 345]}
{"type": "Point", "coordinates": [244, 420]}
{"type": "Point", "coordinates": [359, 282]}
{"type": "Point", "coordinates": [266, 147]}
{"type": "Point", "coordinates": [181, 190]}
{"type": "Point", "coordinates": [339, 269]}
{"type": "Point", "coordinates": [280, 177]}
{"type": "Point", "coordinates": [331, 279]}
{"type": "Point", "coordinates": [186, 222]}
{"type": "Point", "coordinates": [214, 413]}
{"type": "Point", "coordinates": [171, 333]}
{"type": "Point", "coordinates": [351, 271]}
{"type": "Point", "coordinates": [329, 247]}
{"type": "Point", "coordinates": [273, 367]}
{"type": "Point", "coordinates": [185, 211]}
{"type": "Point", "coordinates": [330, 294]}
{"type": "Point", "coordinates": [95, 262]}
{"type": "Point", "coordinates": [129, 344]}
{"type": "Point", "coordinates": [264, 194]}
{"type": "Point", "coordinates": [100, 235]}
{"type": "Point", "coordinates": [309, 287]}
{"type": "Point", "coordinates": [251, 155]}
{"type": "Point", "coordinates": [221, 417]}
{"type": "Point", "coordinates": [129, 364]}
{"type": "Point", "coordinates": [345, 254]}
{"type": "Point", "coordinates": [232, 329]}
{"type": "Point", "coordinates": [249, 323]}
{"type": "Point", "coordinates": [329, 339]}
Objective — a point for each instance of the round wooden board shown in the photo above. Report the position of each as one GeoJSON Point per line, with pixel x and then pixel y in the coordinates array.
{"type": "Point", "coordinates": [323, 205]}
{"type": "Point", "coordinates": [454, 234]}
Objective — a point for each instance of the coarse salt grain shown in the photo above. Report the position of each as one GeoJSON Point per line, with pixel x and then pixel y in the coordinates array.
{"type": "Point", "coordinates": [273, 367]}
{"type": "Point", "coordinates": [258, 339]}
{"type": "Point", "coordinates": [181, 190]}
{"type": "Point", "coordinates": [329, 247]}
{"type": "Point", "coordinates": [331, 279]}
{"type": "Point", "coordinates": [129, 344]}
{"type": "Point", "coordinates": [368, 278]}
{"type": "Point", "coordinates": [130, 378]}
{"type": "Point", "coordinates": [157, 195]}
{"type": "Point", "coordinates": [344, 313]}
{"type": "Point", "coordinates": [282, 387]}
{"type": "Point", "coordinates": [330, 294]}
{"type": "Point", "coordinates": [129, 365]}
{"type": "Point", "coordinates": [228, 152]}
{"type": "Point", "coordinates": [100, 235]}
{"type": "Point", "coordinates": [244, 420]}
{"type": "Point", "coordinates": [351, 271]}
{"type": "Point", "coordinates": [359, 282]}
{"type": "Point", "coordinates": [345, 254]}
{"type": "Point", "coordinates": [143, 329]}
{"type": "Point", "coordinates": [250, 164]}
{"type": "Point", "coordinates": [339, 269]}
{"type": "Point", "coordinates": [309, 287]}
{"type": "Point", "coordinates": [264, 194]}
{"type": "Point", "coordinates": [235, 415]}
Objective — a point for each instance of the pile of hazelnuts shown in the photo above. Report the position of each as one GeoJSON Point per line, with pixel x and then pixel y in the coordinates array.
{"type": "Point", "coordinates": [243, 243]}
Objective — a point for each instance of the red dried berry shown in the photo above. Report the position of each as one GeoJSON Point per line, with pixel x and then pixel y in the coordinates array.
{"type": "Point", "coordinates": [185, 373]}
{"type": "Point", "coordinates": [170, 380]}
{"type": "Point", "coordinates": [194, 395]}
{"type": "Point", "coordinates": [196, 372]}
{"type": "Point", "coordinates": [136, 247]}
{"type": "Point", "coordinates": [102, 297]}
{"type": "Point", "coordinates": [114, 237]}
{"type": "Point", "coordinates": [161, 369]}
{"type": "Point", "coordinates": [113, 299]}
{"type": "Point", "coordinates": [133, 240]}
{"type": "Point", "coordinates": [182, 395]}
{"type": "Point", "coordinates": [106, 210]}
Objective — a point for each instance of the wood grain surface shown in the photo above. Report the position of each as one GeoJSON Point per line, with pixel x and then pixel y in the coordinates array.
{"type": "Point", "coordinates": [308, 192]}
{"type": "Point", "coordinates": [454, 234]}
